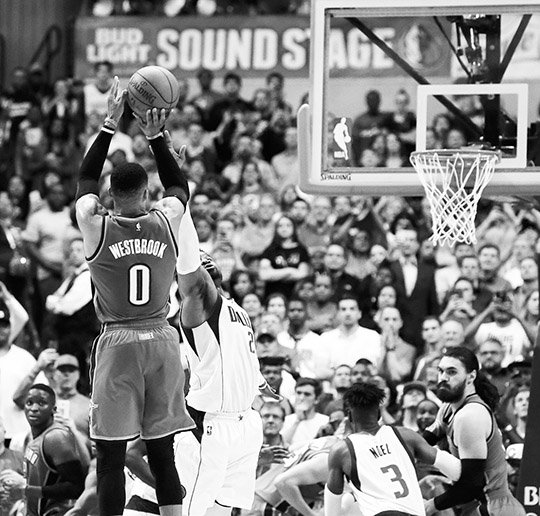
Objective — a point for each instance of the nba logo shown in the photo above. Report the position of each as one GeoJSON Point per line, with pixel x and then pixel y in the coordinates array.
{"type": "Point", "coordinates": [209, 430]}
{"type": "Point", "coordinates": [342, 139]}
{"type": "Point", "coordinates": [138, 226]}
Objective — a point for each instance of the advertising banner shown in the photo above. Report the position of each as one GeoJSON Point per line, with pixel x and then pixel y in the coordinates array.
{"type": "Point", "coordinates": [252, 46]}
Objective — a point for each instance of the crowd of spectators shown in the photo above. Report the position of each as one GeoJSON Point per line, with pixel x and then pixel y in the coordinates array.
{"type": "Point", "coordinates": [338, 289]}
{"type": "Point", "coordinates": [171, 8]}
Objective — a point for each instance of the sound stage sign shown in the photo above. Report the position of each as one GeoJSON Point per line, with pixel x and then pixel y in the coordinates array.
{"type": "Point", "coordinates": [250, 46]}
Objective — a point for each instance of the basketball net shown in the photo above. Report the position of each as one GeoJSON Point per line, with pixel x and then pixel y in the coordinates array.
{"type": "Point", "coordinates": [454, 181]}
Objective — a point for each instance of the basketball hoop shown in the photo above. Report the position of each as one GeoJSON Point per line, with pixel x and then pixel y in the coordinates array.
{"type": "Point", "coordinates": [454, 181]}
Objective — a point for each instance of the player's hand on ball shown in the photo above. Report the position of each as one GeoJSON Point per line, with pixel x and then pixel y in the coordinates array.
{"type": "Point", "coordinates": [115, 102]}
{"type": "Point", "coordinates": [154, 121]}
{"type": "Point", "coordinates": [180, 157]}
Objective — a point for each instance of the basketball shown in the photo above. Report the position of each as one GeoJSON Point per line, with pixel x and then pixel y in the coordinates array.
{"type": "Point", "coordinates": [152, 87]}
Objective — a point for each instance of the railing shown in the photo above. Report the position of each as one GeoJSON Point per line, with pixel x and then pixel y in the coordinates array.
{"type": "Point", "coordinates": [2, 60]}
{"type": "Point", "coordinates": [48, 49]}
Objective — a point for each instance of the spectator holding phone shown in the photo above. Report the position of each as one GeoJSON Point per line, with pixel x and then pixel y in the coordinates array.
{"type": "Point", "coordinates": [459, 305]}
{"type": "Point", "coordinates": [506, 326]}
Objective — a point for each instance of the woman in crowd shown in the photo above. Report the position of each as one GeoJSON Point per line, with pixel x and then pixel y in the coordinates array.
{"type": "Point", "coordinates": [387, 296]}
{"type": "Point", "coordinates": [277, 304]}
{"type": "Point", "coordinates": [254, 308]}
{"type": "Point", "coordinates": [241, 283]}
{"type": "Point", "coordinates": [285, 260]}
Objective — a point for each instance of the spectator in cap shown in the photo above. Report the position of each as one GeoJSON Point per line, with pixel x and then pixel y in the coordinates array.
{"type": "Point", "coordinates": [413, 393]}
{"type": "Point", "coordinates": [519, 375]}
{"type": "Point", "coordinates": [70, 403]}
{"type": "Point", "coordinates": [268, 346]}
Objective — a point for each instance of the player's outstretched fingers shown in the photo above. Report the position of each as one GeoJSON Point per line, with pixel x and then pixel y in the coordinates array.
{"type": "Point", "coordinates": [155, 116]}
{"type": "Point", "coordinates": [148, 120]}
{"type": "Point", "coordinates": [116, 85]}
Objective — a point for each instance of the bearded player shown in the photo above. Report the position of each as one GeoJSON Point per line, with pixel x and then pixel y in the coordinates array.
{"type": "Point", "coordinates": [467, 421]}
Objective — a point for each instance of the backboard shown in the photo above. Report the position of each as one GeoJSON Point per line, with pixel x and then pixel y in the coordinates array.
{"type": "Point", "coordinates": [450, 75]}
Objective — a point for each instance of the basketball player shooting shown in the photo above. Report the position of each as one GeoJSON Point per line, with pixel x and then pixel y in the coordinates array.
{"type": "Point", "coordinates": [224, 381]}
{"type": "Point", "coordinates": [136, 370]}
{"type": "Point", "coordinates": [379, 461]}
{"type": "Point", "coordinates": [473, 436]}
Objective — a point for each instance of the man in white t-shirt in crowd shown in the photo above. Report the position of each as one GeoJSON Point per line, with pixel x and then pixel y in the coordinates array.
{"type": "Point", "coordinates": [299, 339]}
{"type": "Point", "coordinates": [15, 363]}
{"type": "Point", "coordinates": [302, 426]}
{"type": "Point", "coordinates": [507, 327]}
{"type": "Point", "coordinates": [96, 93]}
{"type": "Point", "coordinates": [346, 343]}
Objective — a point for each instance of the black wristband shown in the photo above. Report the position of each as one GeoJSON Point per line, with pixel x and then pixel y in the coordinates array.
{"type": "Point", "coordinates": [430, 437]}
{"type": "Point", "coordinates": [169, 172]}
{"type": "Point", "coordinates": [64, 488]}
{"type": "Point", "coordinates": [469, 487]}
{"type": "Point", "coordinates": [92, 164]}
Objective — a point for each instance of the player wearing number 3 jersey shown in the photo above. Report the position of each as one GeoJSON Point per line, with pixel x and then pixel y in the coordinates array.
{"type": "Point", "coordinates": [378, 461]}
{"type": "Point", "coordinates": [136, 371]}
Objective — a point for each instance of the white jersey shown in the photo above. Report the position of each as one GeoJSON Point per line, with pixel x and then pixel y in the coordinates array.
{"type": "Point", "coordinates": [224, 369]}
{"type": "Point", "coordinates": [383, 476]}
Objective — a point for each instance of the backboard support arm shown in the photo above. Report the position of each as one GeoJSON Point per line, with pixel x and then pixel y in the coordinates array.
{"type": "Point", "coordinates": [512, 47]}
{"type": "Point", "coordinates": [420, 79]}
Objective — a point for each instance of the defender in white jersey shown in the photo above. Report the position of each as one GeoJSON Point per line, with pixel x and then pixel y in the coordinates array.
{"type": "Point", "coordinates": [220, 464]}
{"type": "Point", "coordinates": [378, 461]}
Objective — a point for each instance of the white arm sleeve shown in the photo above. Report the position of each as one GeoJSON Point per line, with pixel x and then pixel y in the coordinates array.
{"type": "Point", "coordinates": [332, 503]}
{"type": "Point", "coordinates": [189, 259]}
{"type": "Point", "coordinates": [447, 464]}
